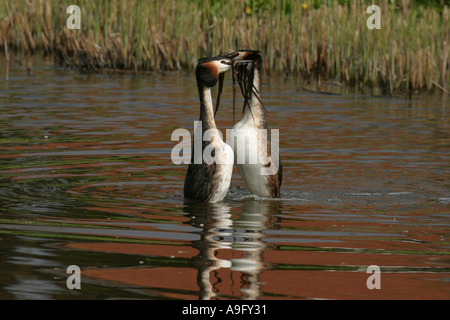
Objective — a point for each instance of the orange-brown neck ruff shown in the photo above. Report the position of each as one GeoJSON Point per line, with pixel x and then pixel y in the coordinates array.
{"type": "Point", "coordinates": [212, 68]}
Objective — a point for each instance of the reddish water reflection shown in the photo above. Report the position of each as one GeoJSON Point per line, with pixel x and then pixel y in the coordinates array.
{"type": "Point", "coordinates": [86, 178]}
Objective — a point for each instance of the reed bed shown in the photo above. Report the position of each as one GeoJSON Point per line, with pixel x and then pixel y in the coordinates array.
{"type": "Point", "coordinates": [315, 40]}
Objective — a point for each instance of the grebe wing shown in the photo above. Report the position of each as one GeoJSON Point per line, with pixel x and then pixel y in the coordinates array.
{"type": "Point", "coordinates": [199, 183]}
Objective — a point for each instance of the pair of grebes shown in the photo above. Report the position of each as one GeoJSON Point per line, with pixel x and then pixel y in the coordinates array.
{"type": "Point", "coordinates": [209, 182]}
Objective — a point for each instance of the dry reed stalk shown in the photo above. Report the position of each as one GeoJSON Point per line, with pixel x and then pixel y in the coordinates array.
{"type": "Point", "coordinates": [440, 87]}
{"type": "Point", "coordinates": [7, 56]}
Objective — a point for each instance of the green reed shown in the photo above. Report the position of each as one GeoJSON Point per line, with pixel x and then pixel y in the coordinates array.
{"type": "Point", "coordinates": [315, 40]}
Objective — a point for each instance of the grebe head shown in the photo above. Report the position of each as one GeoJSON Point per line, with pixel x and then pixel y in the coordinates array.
{"type": "Point", "coordinates": [209, 69]}
{"type": "Point", "coordinates": [244, 64]}
{"type": "Point", "coordinates": [244, 55]}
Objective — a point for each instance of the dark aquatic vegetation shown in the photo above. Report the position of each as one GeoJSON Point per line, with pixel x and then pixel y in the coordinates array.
{"type": "Point", "coordinates": [243, 73]}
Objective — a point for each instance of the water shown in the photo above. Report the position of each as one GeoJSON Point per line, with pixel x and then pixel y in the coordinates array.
{"type": "Point", "coordinates": [86, 179]}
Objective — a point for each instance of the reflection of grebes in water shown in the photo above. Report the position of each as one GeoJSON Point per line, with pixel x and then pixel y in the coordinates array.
{"type": "Point", "coordinates": [209, 217]}
{"type": "Point", "coordinates": [243, 234]}
{"type": "Point", "coordinates": [256, 216]}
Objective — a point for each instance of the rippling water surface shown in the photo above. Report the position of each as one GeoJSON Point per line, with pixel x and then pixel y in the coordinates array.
{"type": "Point", "coordinates": [86, 179]}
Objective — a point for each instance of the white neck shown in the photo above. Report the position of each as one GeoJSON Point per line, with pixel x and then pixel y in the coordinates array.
{"type": "Point", "coordinates": [207, 108]}
{"type": "Point", "coordinates": [257, 114]}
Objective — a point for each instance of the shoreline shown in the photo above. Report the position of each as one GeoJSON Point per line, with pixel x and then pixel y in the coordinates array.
{"type": "Point", "coordinates": [326, 43]}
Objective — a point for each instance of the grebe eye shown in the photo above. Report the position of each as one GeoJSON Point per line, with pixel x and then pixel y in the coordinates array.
{"type": "Point", "coordinates": [223, 61]}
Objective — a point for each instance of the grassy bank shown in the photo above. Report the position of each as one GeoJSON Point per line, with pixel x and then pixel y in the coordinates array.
{"type": "Point", "coordinates": [317, 40]}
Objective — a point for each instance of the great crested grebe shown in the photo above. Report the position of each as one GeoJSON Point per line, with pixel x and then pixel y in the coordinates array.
{"type": "Point", "coordinates": [249, 128]}
{"type": "Point", "coordinates": [205, 180]}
